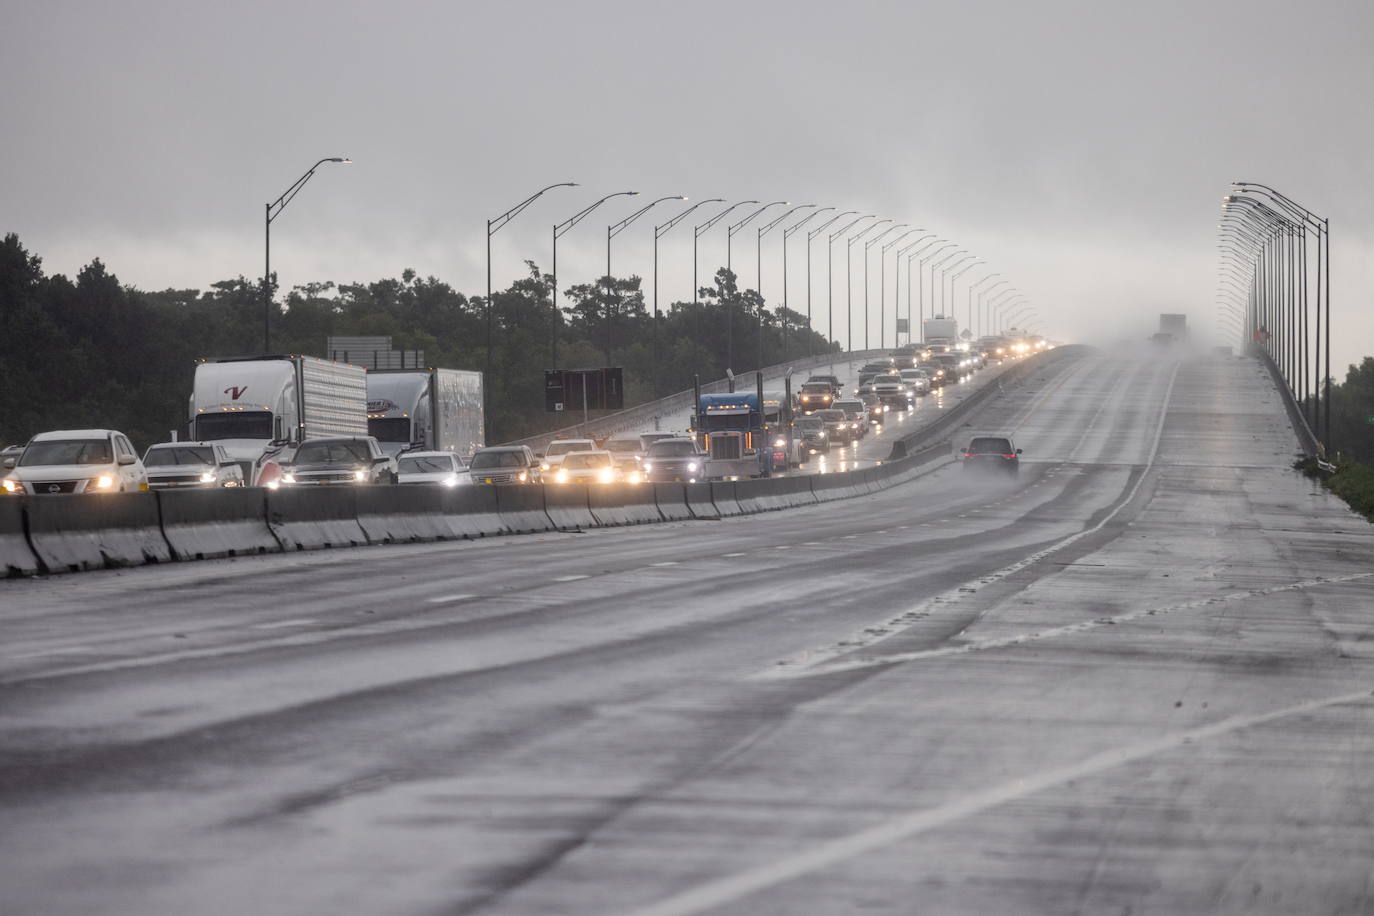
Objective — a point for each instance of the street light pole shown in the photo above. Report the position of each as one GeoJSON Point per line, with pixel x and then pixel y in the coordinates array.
{"type": "Point", "coordinates": [271, 212]}
{"type": "Point", "coordinates": [953, 303]}
{"type": "Point", "coordinates": [830, 287]}
{"type": "Point", "coordinates": [729, 309]}
{"type": "Point", "coordinates": [849, 280]}
{"type": "Point", "coordinates": [611, 232]}
{"type": "Point", "coordinates": [560, 230]}
{"type": "Point", "coordinates": [758, 254]}
{"type": "Point", "coordinates": [868, 245]}
{"type": "Point", "coordinates": [787, 234]}
{"type": "Point", "coordinates": [896, 287]}
{"type": "Point", "coordinates": [659, 232]}
{"type": "Point", "coordinates": [984, 324]}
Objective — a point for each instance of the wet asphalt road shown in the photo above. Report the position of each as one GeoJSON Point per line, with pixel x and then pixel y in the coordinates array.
{"type": "Point", "coordinates": [1135, 680]}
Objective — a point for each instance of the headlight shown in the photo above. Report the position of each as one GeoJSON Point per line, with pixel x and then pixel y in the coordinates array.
{"type": "Point", "coordinates": [522, 476]}
{"type": "Point", "coordinates": [853, 426]}
{"type": "Point", "coordinates": [272, 484]}
{"type": "Point", "coordinates": [648, 466]}
{"type": "Point", "coordinates": [779, 443]}
{"type": "Point", "coordinates": [12, 486]}
{"type": "Point", "coordinates": [207, 477]}
{"type": "Point", "coordinates": [104, 482]}
{"type": "Point", "coordinates": [607, 475]}
{"type": "Point", "coordinates": [360, 474]}
{"type": "Point", "coordinates": [451, 480]}
{"type": "Point", "coordinates": [288, 478]}
{"type": "Point", "coordinates": [635, 477]}
{"type": "Point", "coordinates": [692, 466]}
{"type": "Point", "coordinates": [561, 476]}
{"type": "Point", "coordinates": [823, 435]}
{"type": "Point", "coordinates": [543, 465]}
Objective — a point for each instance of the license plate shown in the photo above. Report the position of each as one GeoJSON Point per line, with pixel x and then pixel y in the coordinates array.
{"type": "Point", "coordinates": [486, 480]}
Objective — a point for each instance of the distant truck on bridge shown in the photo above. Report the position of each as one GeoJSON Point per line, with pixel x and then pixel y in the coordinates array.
{"type": "Point", "coordinates": [435, 410]}
{"type": "Point", "coordinates": [1173, 328]}
{"type": "Point", "coordinates": [940, 330]}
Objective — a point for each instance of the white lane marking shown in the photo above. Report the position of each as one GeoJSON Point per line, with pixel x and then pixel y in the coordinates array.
{"type": "Point", "coordinates": [893, 626]}
{"type": "Point", "coordinates": [48, 653]}
{"type": "Point", "coordinates": [284, 624]}
{"type": "Point", "coordinates": [737, 887]}
{"type": "Point", "coordinates": [666, 563]}
{"type": "Point", "coordinates": [1002, 642]}
{"type": "Point", "coordinates": [569, 578]}
{"type": "Point", "coordinates": [732, 555]}
{"type": "Point", "coordinates": [445, 599]}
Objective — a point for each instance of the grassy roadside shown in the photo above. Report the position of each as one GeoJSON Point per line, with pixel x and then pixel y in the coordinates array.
{"type": "Point", "coordinates": [1352, 482]}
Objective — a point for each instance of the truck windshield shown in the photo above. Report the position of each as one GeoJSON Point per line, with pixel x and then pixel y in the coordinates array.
{"type": "Point", "coordinates": [66, 451]}
{"type": "Point", "coordinates": [569, 445]}
{"type": "Point", "coordinates": [184, 454]}
{"type": "Point", "coordinates": [579, 461]}
{"type": "Point", "coordinates": [389, 429]}
{"type": "Point", "coordinates": [333, 453]}
{"type": "Point", "coordinates": [246, 424]}
{"type": "Point", "coordinates": [425, 464]}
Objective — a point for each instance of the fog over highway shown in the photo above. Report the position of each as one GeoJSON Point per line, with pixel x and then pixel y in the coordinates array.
{"type": "Point", "coordinates": [1138, 678]}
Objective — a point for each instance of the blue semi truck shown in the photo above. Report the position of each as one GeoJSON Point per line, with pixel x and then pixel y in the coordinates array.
{"type": "Point", "coordinates": [745, 434]}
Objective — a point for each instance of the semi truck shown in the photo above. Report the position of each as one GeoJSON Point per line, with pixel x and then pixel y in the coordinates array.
{"type": "Point", "coordinates": [940, 329]}
{"type": "Point", "coordinates": [259, 406]}
{"type": "Point", "coordinates": [1172, 327]}
{"type": "Point", "coordinates": [437, 410]}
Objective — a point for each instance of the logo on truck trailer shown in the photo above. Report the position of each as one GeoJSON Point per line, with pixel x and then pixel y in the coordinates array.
{"type": "Point", "coordinates": [235, 392]}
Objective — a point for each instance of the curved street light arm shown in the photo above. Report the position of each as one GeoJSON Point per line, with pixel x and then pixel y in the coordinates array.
{"type": "Point", "coordinates": [867, 229]}
{"type": "Point", "coordinates": [827, 224]}
{"type": "Point", "coordinates": [661, 230]}
{"type": "Point", "coordinates": [275, 207]}
{"type": "Point", "coordinates": [621, 226]}
{"type": "Point", "coordinates": [731, 230]}
{"type": "Point", "coordinates": [901, 252]}
{"type": "Point", "coordinates": [788, 232]}
{"type": "Point", "coordinates": [706, 226]}
{"type": "Point", "coordinates": [495, 225]}
{"type": "Point", "coordinates": [562, 228]}
{"type": "Point", "coordinates": [852, 223]}
{"type": "Point", "coordinates": [882, 235]}
{"type": "Point", "coordinates": [765, 229]}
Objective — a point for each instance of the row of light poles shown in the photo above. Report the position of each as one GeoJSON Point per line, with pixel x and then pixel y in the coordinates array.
{"type": "Point", "coordinates": [1264, 290]}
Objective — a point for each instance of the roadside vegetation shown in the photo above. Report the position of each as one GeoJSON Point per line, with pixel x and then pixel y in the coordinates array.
{"type": "Point", "coordinates": [1352, 432]}
{"type": "Point", "coordinates": [92, 352]}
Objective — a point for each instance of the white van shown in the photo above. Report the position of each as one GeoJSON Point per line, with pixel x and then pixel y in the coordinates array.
{"type": "Point", "coordinates": [76, 461]}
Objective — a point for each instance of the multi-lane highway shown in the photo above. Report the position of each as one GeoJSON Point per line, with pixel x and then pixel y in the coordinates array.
{"type": "Point", "coordinates": [1138, 679]}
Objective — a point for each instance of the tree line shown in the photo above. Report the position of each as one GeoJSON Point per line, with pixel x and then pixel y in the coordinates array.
{"type": "Point", "coordinates": [92, 352]}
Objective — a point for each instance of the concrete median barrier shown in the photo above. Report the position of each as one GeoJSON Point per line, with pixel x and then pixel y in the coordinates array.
{"type": "Point", "coordinates": [101, 531]}
{"type": "Point", "coordinates": [202, 524]}
{"type": "Point", "coordinates": [671, 499]}
{"type": "Point", "coordinates": [774, 493]}
{"type": "Point", "coordinates": [699, 500]}
{"type": "Point", "coordinates": [16, 556]}
{"type": "Point", "coordinates": [399, 515]}
{"type": "Point", "coordinates": [835, 485]}
{"type": "Point", "coordinates": [724, 499]}
{"type": "Point", "coordinates": [472, 513]}
{"type": "Point", "coordinates": [314, 518]}
{"type": "Point", "coordinates": [624, 504]}
{"type": "Point", "coordinates": [568, 505]}
{"type": "Point", "coordinates": [521, 507]}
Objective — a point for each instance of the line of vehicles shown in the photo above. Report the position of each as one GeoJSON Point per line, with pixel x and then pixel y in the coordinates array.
{"type": "Point", "coordinates": [293, 421]}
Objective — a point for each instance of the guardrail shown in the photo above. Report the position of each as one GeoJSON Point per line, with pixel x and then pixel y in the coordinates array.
{"type": "Point", "coordinates": [1306, 439]}
{"type": "Point", "coordinates": [642, 414]}
{"type": "Point", "coordinates": [70, 533]}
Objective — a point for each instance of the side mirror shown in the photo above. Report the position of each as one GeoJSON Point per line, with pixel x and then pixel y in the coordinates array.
{"type": "Point", "coordinates": [9, 464]}
{"type": "Point", "coordinates": [1018, 451]}
{"type": "Point", "coordinates": [382, 460]}
{"type": "Point", "coordinates": [126, 460]}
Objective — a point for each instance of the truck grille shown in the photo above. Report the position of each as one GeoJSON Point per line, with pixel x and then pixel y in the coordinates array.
{"type": "Point", "coordinates": [327, 477]}
{"type": "Point", "coordinates": [173, 480]}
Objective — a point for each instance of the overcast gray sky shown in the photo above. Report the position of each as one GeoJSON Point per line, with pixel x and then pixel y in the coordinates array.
{"type": "Point", "coordinates": [1080, 148]}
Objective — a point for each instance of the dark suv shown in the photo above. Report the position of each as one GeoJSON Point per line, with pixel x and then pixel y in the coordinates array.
{"type": "Point", "coordinates": [990, 454]}
{"type": "Point", "coordinates": [343, 460]}
{"type": "Point", "coordinates": [675, 459]}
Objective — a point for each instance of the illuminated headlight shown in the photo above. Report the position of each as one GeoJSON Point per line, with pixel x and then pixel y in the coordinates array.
{"type": "Point", "coordinates": [561, 476]}
{"type": "Point", "coordinates": [288, 478]}
{"type": "Point", "coordinates": [104, 482]}
{"type": "Point", "coordinates": [648, 466]}
{"type": "Point", "coordinates": [451, 480]}
{"type": "Point", "coordinates": [272, 484]}
{"type": "Point", "coordinates": [823, 435]}
{"type": "Point", "coordinates": [853, 426]}
{"type": "Point", "coordinates": [692, 466]}
{"type": "Point", "coordinates": [522, 476]}
{"type": "Point", "coordinates": [607, 475]}
{"type": "Point", "coordinates": [207, 477]}
{"type": "Point", "coordinates": [543, 465]}
{"type": "Point", "coordinates": [12, 486]}
{"type": "Point", "coordinates": [779, 443]}
{"type": "Point", "coordinates": [635, 477]}
{"type": "Point", "coordinates": [360, 474]}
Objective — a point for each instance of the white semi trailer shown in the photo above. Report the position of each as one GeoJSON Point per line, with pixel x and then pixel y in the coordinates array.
{"type": "Point", "coordinates": [438, 410]}
{"type": "Point", "coordinates": [940, 329]}
{"type": "Point", "coordinates": [253, 405]}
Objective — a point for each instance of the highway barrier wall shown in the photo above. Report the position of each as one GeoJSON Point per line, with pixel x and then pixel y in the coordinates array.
{"type": "Point", "coordinates": [67, 533]}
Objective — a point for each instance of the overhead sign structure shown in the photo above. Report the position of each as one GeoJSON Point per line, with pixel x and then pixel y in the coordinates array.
{"type": "Point", "coordinates": [584, 389]}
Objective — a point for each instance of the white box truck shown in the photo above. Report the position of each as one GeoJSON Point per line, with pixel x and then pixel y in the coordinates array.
{"type": "Point", "coordinates": [437, 410]}
{"type": "Point", "coordinates": [254, 404]}
{"type": "Point", "coordinates": [940, 329]}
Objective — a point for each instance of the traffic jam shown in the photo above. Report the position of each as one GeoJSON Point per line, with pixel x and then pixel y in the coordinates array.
{"type": "Point", "coordinates": [299, 422]}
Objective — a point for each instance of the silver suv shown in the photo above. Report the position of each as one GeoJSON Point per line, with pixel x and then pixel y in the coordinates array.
{"type": "Point", "coordinates": [349, 460]}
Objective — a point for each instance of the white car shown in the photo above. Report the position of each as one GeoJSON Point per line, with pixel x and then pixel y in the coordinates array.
{"type": "Point", "coordinates": [558, 449]}
{"type": "Point", "coordinates": [917, 379]}
{"type": "Point", "coordinates": [591, 466]}
{"type": "Point", "coordinates": [434, 468]}
{"type": "Point", "coordinates": [76, 461]}
{"type": "Point", "coordinates": [173, 465]}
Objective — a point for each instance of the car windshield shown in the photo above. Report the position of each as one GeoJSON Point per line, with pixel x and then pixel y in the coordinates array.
{"type": "Point", "coordinates": [347, 452]}
{"type": "Point", "coordinates": [818, 388]}
{"type": "Point", "coordinates": [850, 405]}
{"type": "Point", "coordinates": [812, 423]}
{"type": "Point", "coordinates": [425, 464]}
{"type": "Point", "coordinates": [163, 455]}
{"type": "Point", "coordinates": [498, 459]}
{"type": "Point", "coordinates": [622, 445]}
{"type": "Point", "coordinates": [53, 452]}
{"type": "Point", "coordinates": [990, 445]}
{"type": "Point", "coordinates": [564, 446]}
{"type": "Point", "coordinates": [584, 460]}
{"type": "Point", "coordinates": [832, 415]}
{"type": "Point", "coordinates": [248, 424]}
{"type": "Point", "coordinates": [672, 449]}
